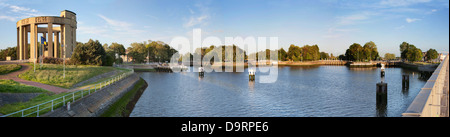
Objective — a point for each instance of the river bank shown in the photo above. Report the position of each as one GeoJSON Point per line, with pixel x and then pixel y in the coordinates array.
{"type": "Point", "coordinates": [99, 102]}
{"type": "Point", "coordinates": [125, 105]}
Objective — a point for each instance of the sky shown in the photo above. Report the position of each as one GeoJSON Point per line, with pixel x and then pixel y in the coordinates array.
{"type": "Point", "coordinates": [331, 24]}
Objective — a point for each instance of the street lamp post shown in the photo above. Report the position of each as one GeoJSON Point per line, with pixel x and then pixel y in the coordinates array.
{"type": "Point", "coordinates": [64, 61]}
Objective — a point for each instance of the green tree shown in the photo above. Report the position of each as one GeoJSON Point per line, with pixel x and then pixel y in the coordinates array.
{"type": "Point", "coordinates": [354, 52]}
{"type": "Point", "coordinates": [431, 54]}
{"type": "Point", "coordinates": [10, 51]}
{"type": "Point", "coordinates": [324, 56]}
{"type": "Point", "coordinates": [370, 51]}
{"type": "Point", "coordinates": [403, 49]}
{"type": "Point", "coordinates": [389, 56]}
{"type": "Point", "coordinates": [282, 55]}
{"type": "Point", "coordinates": [90, 53]}
{"type": "Point", "coordinates": [410, 52]}
{"type": "Point", "coordinates": [294, 53]}
{"type": "Point", "coordinates": [138, 52]}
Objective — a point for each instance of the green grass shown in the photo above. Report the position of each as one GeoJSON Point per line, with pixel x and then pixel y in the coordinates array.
{"type": "Point", "coordinates": [144, 70]}
{"type": "Point", "coordinates": [5, 69]}
{"type": "Point", "coordinates": [52, 74]}
{"type": "Point", "coordinates": [10, 108]}
{"type": "Point", "coordinates": [11, 86]}
{"type": "Point", "coordinates": [119, 108]}
{"type": "Point", "coordinates": [425, 63]}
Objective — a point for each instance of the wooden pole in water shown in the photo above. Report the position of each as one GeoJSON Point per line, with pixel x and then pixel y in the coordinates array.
{"type": "Point", "coordinates": [405, 81]}
{"type": "Point", "coordinates": [251, 75]}
{"type": "Point", "coordinates": [381, 93]}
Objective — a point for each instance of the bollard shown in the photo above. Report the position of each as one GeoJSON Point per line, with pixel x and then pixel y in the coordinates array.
{"type": "Point", "coordinates": [405, 81]}
{"type": "Point", "coordinates": [381, 93]}
{"type": "Point", "coordinates": [68, 106]}
{"type": "Point", "coordinates": [251, 75]}
{"type": "Point", "coordinates": [201, 72]}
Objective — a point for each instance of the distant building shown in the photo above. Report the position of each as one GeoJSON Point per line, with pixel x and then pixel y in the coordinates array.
{"type": "Point", "coordinates": [424, 56]}
{"type": "Point", "coordinates": [125, 57]}
{"type": "Point", "coordinates": [442, 56]}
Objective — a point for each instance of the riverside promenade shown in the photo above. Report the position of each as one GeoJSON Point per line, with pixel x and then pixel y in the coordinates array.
{"type": "Point", "coordinates": [432, 100]}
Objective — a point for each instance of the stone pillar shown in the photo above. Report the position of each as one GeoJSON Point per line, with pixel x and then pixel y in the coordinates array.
{"type": "Point", "coordinates": [50, 40]}
{"type": "Point", "coordinates": [18, 49]}
{"type": "Point", "coordinates": [25, 47]}
{"type": "Point", "coordinates": [63, 41]}
{"type": "Point", "coordinates": [67, 40]}
{"type": "Point", "coordinates": [20, 55]}
{"type": "Point", "coordinates": [56, 47]}
{"type": "Point", "coordinates": [74, 40]}
{"type": "Point", "coordinates": [33, 42]}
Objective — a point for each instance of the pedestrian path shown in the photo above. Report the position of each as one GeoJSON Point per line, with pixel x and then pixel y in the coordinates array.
{"type": "Point", "coordinates": [25, 67]}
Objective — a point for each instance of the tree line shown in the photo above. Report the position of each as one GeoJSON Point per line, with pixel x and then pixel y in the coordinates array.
{"type": "Point", "coordinates": [94, 53]}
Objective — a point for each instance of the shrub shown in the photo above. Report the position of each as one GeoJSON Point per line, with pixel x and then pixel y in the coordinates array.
{"type": "Point", "coordinates": [52, 60]}
{"type": "Point", "coordinates": [90, 53]}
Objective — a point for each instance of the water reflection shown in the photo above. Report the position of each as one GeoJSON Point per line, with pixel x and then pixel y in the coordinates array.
{"type": "Point", "coordinates": [251, 85]}
{"type": "Point", "coordinates": [381, 106]}
{"type": "Point", "coordinates": [334, 91]}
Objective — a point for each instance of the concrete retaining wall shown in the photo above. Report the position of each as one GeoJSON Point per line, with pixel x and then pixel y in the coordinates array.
{"type": "Point", "coordinates": [95, 104]}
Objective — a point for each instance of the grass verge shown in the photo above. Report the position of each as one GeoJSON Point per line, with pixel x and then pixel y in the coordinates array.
{"type": "Point", "coordinates": [5, 69]}
{"type": "Point", "coordinates": [11, 86]}
{"type": "Point", "coordinates": [52, 74]}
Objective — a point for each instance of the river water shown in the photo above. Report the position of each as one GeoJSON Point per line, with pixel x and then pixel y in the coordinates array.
{"type": "Point", "coordinates": [319, 91]}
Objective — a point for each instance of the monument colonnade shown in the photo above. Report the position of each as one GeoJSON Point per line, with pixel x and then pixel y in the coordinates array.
{"type": "Point", "coordinates": [65, 34]}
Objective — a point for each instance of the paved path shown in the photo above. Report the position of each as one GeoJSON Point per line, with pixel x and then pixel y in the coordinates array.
{"type": "Point", "coordinates": [444, 100]}
{"type": "Point", "coordinates": [13, 76]}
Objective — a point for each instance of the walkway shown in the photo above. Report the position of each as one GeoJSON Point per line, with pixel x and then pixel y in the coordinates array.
{"type": "Point", "coordinates": [13, 76]}
{"type": "Point", "coordinates": [444, 107]}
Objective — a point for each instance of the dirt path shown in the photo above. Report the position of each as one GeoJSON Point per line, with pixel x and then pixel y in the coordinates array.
{"type": "Point", "coordinates": [25, 67]}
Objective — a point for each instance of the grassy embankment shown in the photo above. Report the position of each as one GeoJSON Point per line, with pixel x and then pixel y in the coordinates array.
{"type": "Point", "coordinates": [53, 75]}
{"type": "Point", "coordinates": [10, 86]}
{"type": "Point", "coordinates": [124, 106]}
{"type": "Point", "coordinates": [5, 69]}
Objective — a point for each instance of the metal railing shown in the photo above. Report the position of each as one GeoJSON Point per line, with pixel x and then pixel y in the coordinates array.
{"type": "Point", "coordinates": [71, 97]}
{"type": "Point", "coordinates": [428, 102]}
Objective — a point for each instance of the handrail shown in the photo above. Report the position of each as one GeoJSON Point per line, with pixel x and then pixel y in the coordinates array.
{"type": "Point", "coordinates": [428, 102]}
{"type": "Point", "coordinates": [54, 103]}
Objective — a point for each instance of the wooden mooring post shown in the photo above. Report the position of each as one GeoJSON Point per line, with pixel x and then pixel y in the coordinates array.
{"type": "Point", "coordinates": [251, 75]}
{"type": "Point", "coordinates": [382, 93]}
{"type": "Point", "coordinates": [405, 81]}
{"type": "Point", "coordinates": [201, 72]}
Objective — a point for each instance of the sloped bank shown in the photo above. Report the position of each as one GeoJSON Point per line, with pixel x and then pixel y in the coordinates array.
{"type": "Point", "coordinates": [125, 105]}
{"type": "Point", "coordinates": [102, 101]}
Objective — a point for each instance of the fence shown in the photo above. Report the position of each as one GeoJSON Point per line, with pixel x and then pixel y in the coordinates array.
{"type": "Point", "coordinates": [71, 97]}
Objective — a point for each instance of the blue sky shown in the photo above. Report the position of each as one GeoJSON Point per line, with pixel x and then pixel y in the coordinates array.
{"type": "Point", "coordinates": [332, 24]}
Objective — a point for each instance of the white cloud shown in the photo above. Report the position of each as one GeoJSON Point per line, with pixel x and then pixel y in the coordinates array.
{"type": "Point", "coordinates": [195, 21]}
{"type": "Point", "coordinates": [14, 12]}
{"type": "Point", "coordinates": [198, 18]}
{"type": "Point", "coordinates": [191, 11]}
{"type": "Point", "coordinates": [399, 27]}
{"type": "Point", "coordinates": [7, 18]}
{"type": "Point", "coordinates": [115, 23]}
{"type": "Point", "coordinates": [21, 9]}
{"type": "Point", "coordinates": [352, 19]}
{"type": "Point", "coordinates": [411, 20]}
{"type": "Point", "coordinates": [402, 3]}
